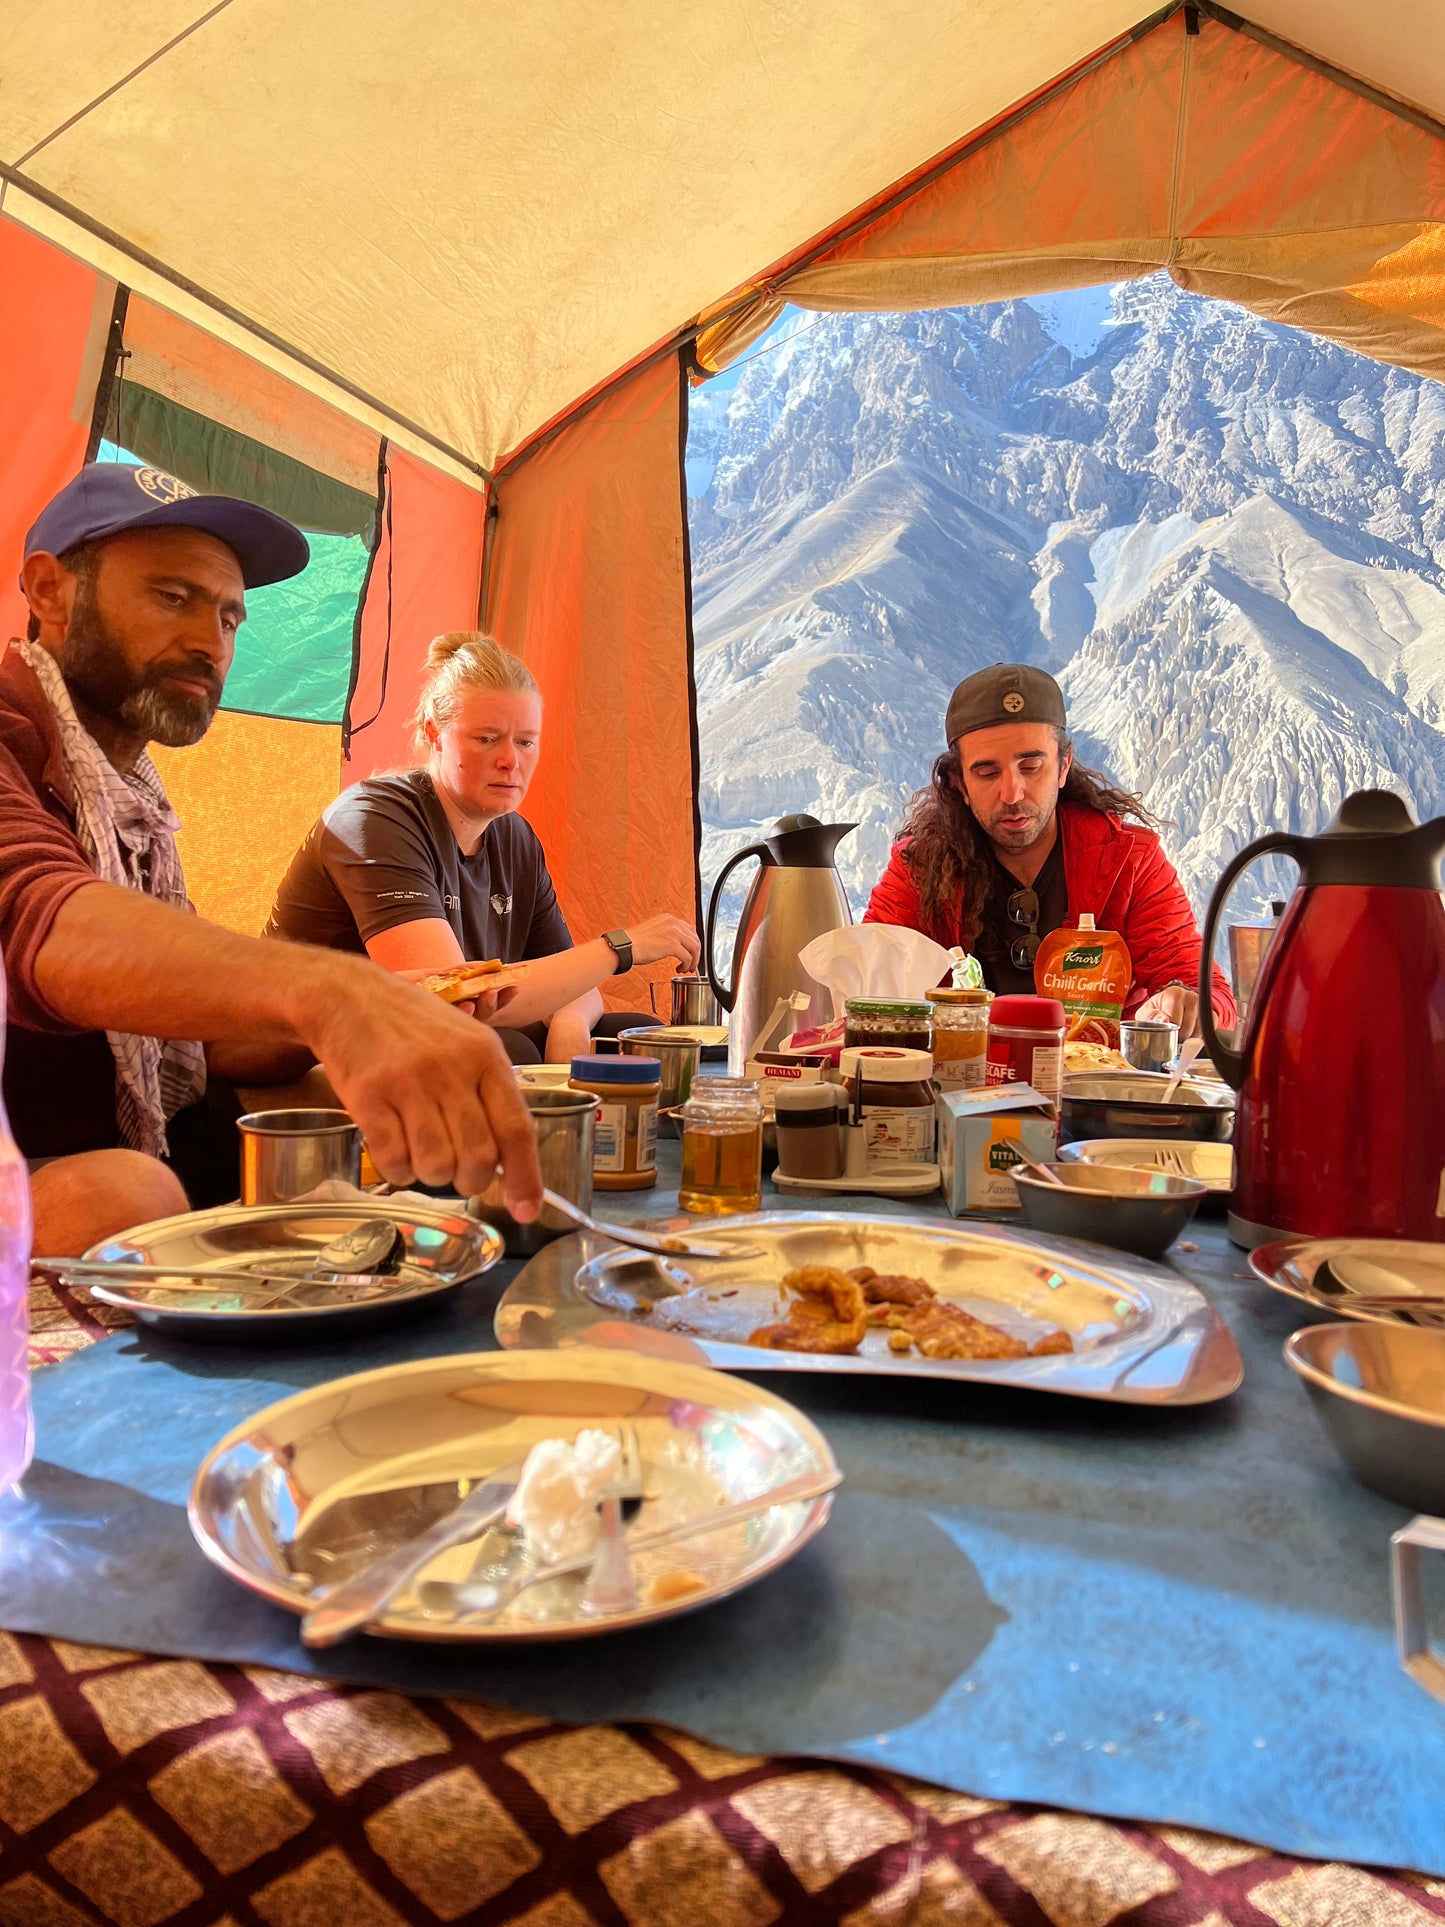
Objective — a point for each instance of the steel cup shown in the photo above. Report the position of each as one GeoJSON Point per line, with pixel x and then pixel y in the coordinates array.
{"type": "Point", "coordinates": [692, 1000]}
{"type": "Point", "coordinates": [679, 1052]}
{"type": "Point", "coordinates": [1149, 1044]}
{"type": "Point", "coordinates": [564, 1122]}
{"type": "Point", "coordinates": [285, 1154]}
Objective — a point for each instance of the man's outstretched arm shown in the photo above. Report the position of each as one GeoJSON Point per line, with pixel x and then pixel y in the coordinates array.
{"type": "Point", "coordinates": [432, 1091]}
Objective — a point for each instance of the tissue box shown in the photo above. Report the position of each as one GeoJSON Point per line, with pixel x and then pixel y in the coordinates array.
{"type": "Point", "coordinates": [977, 1133]}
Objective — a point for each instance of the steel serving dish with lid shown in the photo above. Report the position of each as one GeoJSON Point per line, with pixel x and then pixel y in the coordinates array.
{"type": "Point", "coordinates": [1131, 1104]}
{"type": "Point", "coordinates": [1141, 1333]}
{"type": "Point", "coordinates": [314, 1488]}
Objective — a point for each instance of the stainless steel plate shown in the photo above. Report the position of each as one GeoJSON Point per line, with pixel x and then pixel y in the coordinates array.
{"type": "Point", "coordinates": [314, 1487]}
{"type": "Point", "coordinates": [443, 1250]}
{"type": "Point", "coordinates": [1329, 1273]}
{"type": "Point", "coordinates": [1212, 1164]}
{"type": "Point", "coordinates": [1141, 1333]}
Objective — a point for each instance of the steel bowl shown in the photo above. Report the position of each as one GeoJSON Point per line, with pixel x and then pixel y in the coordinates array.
{"type": "Point", "coordinates": [1138, 1211]}
{"type": "Point", "coordinates": [1379, 1391]}
{"type": "Point", "coordinates": [1131, 1104]}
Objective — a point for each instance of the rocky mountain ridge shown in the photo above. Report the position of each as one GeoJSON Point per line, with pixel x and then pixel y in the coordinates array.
{"type": "Point", "coordinates": [1226, 538]}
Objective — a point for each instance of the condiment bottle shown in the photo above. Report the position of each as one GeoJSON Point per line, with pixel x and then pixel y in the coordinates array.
{"type": "Point", "coordinates": [17, 1432]}
{"type": "Point", "coordinates": [624, 1143]}
{"type": "Point", "coordinates": [894, 1089]}
{"type": "Point", "coordinates": [722, 1146]}
{"type": "Point", "coordinates": [809, 1143]}
{"type": "Point", "coordinates": [960, 1037]}
{"type": "Point", "coordinates": [1026, 1043]}
{"type": "Point", "coordinates": [1090, 972]}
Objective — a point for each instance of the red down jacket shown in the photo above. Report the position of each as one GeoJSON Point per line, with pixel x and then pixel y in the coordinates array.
{"type": "Point", "coordinates": [1115, 871]}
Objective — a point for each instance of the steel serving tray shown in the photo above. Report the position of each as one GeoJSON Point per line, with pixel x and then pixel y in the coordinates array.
{"type": "Point", "coordinates": [322, 1483]}
{"type": "Point", "coordinates": [1328, 1273]}
{"type": "Point", "coordinates": [444, 1249]}
{"type": "Point", "coordinates": [1142, 1334]}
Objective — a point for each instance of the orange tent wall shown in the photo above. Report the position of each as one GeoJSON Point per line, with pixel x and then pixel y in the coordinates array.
{"type": "Point", "coordinates": [1245, 173]}
{"type": "Point", "coordinates": [426, 578]}
{"type": "Point", "coordinates": [54, 314]}
{"type": "Point", "coordinates": [589, 586]}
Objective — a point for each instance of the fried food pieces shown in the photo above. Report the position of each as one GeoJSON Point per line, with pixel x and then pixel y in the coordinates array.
{"type": "Point", "coordinates": [830, 1314]}
{"type": "Point", "coordinates": [834, 1309]}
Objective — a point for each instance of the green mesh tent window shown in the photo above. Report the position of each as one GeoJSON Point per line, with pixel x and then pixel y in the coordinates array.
{"type": "Point", "coordinates": [294, 651]}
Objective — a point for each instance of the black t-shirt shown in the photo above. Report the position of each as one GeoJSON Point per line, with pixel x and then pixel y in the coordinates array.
{"type": "Point", "coordinates": [998, 932]}
{"type": "Point", "coordinates": [384, 854]}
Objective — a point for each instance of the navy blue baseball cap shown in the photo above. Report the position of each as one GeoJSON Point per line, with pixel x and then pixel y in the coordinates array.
{"type": "Point", "coordinates": [108, 498]}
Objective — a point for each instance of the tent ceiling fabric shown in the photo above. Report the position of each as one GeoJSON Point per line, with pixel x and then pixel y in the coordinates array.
{"type": "Point", "coordinates": [479, 213]}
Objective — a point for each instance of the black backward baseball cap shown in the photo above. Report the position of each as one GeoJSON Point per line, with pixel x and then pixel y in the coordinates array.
{"type": "Point", "coordinates": [110, 498]}
{"type": "Point", "coordinates": [1009, 692]}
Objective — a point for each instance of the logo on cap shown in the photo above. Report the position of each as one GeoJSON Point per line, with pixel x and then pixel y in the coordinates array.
{"type": "Point", "coordinates": [1013, 702]}
{"type": "Point", "coordinates": [162, 487]}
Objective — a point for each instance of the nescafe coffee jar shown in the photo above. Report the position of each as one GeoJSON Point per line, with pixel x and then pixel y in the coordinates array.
{"type": "Point", "coordinates": [1026, 1043]}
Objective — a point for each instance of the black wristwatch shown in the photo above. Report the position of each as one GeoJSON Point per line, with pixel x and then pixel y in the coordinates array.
{"type": "Point", "coordinates": [619, 941]}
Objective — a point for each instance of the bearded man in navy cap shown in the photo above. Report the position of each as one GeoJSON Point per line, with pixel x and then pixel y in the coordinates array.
{"type": "Point", "coordinates": [129, 1015]}
{"type": "Point", "coordinates": [1015, 838]}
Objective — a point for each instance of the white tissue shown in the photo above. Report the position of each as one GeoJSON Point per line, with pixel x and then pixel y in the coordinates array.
{"type": "Point", "coordinates": [555, 1503]}
{"type": "Point", "coordinates": [874, 960]}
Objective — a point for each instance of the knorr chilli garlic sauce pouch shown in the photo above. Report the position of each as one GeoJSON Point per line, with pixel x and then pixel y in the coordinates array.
{"type": "Point", "coordinates": [1090, 972]}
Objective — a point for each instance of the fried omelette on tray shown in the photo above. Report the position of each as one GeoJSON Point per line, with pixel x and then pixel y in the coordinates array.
{"type": "Point", "coordinates": [832, 1310]}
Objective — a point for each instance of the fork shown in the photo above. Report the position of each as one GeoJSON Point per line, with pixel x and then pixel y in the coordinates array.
{"type": "Point", "coordinates": [609, 1587]}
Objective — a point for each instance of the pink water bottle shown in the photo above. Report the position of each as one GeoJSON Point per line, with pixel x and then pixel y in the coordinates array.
{"type": "Point", "coordinates": [17, 1433]}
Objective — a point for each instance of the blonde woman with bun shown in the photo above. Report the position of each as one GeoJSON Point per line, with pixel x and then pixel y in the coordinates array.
{"type": "Point", "coordinates": [434, 866]}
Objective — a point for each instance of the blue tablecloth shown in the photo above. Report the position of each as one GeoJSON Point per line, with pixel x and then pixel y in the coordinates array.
{"type": "Point", "coordinates": [1163, 1615]}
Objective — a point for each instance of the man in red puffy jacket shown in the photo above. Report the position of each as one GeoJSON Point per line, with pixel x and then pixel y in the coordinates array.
{"type": "Point", "coordinates": [1013, 839]}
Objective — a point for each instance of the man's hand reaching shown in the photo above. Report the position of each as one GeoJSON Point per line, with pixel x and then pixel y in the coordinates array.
{"type": "Point", "coordinates": [432, 1090]}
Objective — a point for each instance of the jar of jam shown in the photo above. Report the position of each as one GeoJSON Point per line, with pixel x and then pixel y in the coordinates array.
{"type": "Point", "coordinates": [894, 1090]}
{"type": "Point", "coordinates": [1026, 1043]}
{"type": "Point", "coordinates": [960, 1037]}
{"type": "Point", "coordinates": [887, 1025]}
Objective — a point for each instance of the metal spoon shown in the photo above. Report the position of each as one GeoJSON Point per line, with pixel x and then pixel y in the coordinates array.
{"type": "Point", "coordinates": [671, 1246]}
{"type": "Point", "coordinates": [1039, 1170]}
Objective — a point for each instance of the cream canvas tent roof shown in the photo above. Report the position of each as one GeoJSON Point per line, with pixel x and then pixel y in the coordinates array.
{"type": "Point", "coordinates": [477, 253]}
{"type": "Point", "coordinates": [476, 214]}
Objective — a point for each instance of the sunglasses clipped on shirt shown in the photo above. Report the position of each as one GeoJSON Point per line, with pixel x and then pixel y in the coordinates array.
{"type": "Point", "coordinates": [1023, 908]}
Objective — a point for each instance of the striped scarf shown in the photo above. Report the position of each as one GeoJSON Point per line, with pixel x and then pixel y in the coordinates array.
{"type": "Point", "coordinates": [127, 828]}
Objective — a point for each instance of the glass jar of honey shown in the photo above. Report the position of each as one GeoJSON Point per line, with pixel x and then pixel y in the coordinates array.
{"type": "Point", "coordinates": [722, 1146]}
{"type": "Point", "coordinates": [874, 1023]}
{"type": "Point", "coordinates": [960, 1038]}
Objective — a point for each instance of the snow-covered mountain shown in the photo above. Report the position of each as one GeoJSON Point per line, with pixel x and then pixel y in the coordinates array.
{"type": "Point", "coordinates": [1226, 538]}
